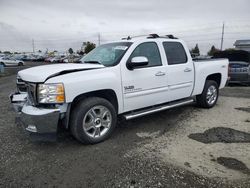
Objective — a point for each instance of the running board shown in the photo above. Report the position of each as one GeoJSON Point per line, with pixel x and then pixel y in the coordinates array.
{"type": "Point", "coordinates": [144, 112]}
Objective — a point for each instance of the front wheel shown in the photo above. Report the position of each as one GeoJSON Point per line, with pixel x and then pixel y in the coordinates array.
{"type": "Point", "coordinates": [20, 64]}
{"type": "Point", "coordinates": [93, 120]}
{"type": "Point", "coordinates": [209, 95]}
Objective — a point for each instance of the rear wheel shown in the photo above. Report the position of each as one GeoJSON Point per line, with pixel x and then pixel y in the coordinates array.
{"type": "Point", "coordinates": [20, 64]}
{"type": "Point", "coordinates": [209, 95]}
{"type": "Point", "coordinates": [93, 120]}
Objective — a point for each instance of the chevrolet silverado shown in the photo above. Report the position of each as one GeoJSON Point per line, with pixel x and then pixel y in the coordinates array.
{"type": "Point", "coordinates": [131, 78]}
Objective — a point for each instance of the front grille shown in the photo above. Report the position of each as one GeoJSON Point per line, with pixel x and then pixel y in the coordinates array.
{"type": "Point", "coordinates": [21, 85]}
{"type": "Point", "coordinates": [26, 87]}
{"type": "Point", "coordinates": [31, 89]}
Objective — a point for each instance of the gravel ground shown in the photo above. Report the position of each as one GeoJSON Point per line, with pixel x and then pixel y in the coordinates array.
{"type": "Point", "coordinates": [183, 147]}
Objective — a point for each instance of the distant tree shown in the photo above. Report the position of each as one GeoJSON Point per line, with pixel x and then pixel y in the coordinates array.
{"type": "Point", "coordinates": [7, 52]}
{"type": "Point", "coordinates": [212, 51]}
{"type": "Point", "coordinates": [89, 46]}
{"type": "Point", "coordinates": [80, 52]}
{"type": "Point", "coordinates": [83, 46]}
{"type": "Point", "coordinates": [70, 51]}
{"type": "Point", "coordinates": [0, 51]}
{"type": "Point", "coordinates": [196, 50]}
{"type": "Point", "coordinates": [230, 49]}
{"type": "Point", "coordinates": [55, 51]}
{"type": "Point", "coordinates": [39, 51]}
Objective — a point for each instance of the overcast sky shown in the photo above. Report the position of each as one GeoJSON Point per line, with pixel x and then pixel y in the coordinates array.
{"type": "Point", "coordinates": [60, 24]}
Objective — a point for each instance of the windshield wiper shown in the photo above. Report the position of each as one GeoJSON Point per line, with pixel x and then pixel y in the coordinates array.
{"type": "Point", "coordinates": [93, 62]}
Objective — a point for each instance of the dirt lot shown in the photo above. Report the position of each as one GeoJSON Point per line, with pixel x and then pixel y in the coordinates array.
{"type": "Point", "coordinates": [183, 147]}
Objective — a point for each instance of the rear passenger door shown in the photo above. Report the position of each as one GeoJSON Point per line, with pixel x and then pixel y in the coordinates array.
{"type": "Point", "coordinates": [180, 70]}
{"type": "Point", "coordinates": [147, 85]}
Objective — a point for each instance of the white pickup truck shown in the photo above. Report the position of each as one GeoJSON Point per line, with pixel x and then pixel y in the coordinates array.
{"type": "Point", "coordinates": [131, 78]}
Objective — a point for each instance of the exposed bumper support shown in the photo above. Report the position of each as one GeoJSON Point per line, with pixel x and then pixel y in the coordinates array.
{"type": "Point", "coordinates": [41, 123]}
{"type": "Point", "coordinates": [40, 120]}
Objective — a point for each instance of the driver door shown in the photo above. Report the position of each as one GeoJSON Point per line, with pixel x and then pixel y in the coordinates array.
{"type": "Point", "coordinates": [145, 86]}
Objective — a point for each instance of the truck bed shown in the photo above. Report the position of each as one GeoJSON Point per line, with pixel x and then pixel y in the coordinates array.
{"type": "Point", "coordinates": [203, 68]}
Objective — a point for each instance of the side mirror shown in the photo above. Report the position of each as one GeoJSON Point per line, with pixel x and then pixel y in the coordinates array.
{"type": "Point", "coordinates": [135, 62]}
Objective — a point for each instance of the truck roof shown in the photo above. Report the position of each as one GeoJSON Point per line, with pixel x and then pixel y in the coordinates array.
{"type": "Point", "coordinates": [150, 36]}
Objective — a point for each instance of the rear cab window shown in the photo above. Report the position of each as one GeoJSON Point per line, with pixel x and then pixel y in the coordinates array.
{"type": "Point", "coordinates": [175, 53]}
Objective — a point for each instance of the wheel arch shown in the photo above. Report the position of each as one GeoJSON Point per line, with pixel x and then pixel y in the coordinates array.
{"type": "Point", "coordinates": [107, 94]}
{"type": "Point", "coordinates": [215, 77]}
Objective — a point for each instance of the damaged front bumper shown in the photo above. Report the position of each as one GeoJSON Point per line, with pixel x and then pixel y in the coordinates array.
{"type": "Point", "coordinates": [40, 123]}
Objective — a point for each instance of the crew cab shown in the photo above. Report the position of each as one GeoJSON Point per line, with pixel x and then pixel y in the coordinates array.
{"type": "Point", "coordinates": [129, 78]}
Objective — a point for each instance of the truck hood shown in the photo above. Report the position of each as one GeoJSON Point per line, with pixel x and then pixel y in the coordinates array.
{"type": "Point", "coordinates": [42, 73]}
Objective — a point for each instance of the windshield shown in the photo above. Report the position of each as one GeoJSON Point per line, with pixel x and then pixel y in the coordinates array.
{"type": "Point", "coordinates": [107, 54]}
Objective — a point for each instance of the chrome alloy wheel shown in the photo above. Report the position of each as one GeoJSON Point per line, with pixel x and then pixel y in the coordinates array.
{"type": "Point", "coordinates": [212, 95]}
{"type": "Point", "coordinates": [97, 121]}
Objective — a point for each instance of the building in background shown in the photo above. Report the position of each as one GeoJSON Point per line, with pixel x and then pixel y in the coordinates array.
{"type": "Point", "coordinates": [242, 45]}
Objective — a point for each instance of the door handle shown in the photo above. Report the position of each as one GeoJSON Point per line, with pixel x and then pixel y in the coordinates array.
{"type": "Point", "coordinates": [160, 73]}
{"type": "Point", "coordinates": [187, 70]}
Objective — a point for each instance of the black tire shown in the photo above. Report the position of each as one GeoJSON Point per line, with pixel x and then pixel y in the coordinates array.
{"type": "Point", "coordinates": [20, 64]}
{"type": "Point", "coordinates": [201, 99]}
{"type": "Point", "coordinates": [79, 113]}
{"type": "Point", "coordinates": [1, 63]}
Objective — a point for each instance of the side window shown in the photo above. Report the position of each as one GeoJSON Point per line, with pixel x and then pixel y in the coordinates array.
{"type": "Point", "coordinates": [149, 50]}
{"type": "Point", "coordinates": [175, 53]}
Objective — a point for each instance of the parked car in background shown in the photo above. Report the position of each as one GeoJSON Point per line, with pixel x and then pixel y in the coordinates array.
{"type": "Point", "coordinates": [239, 65]}
{"type": "Point", "coordinates": [39, 58]}
{"type": "Point", "coordinates": [18, 57]}
{"type": "Point", "coordinates": [24, 58]}
{"type": "Point", "coordinates": [63, 59]}
{"type": "Point", "coordinates": [48, 59]}
{"type": "Point", "coordinates": [74, 59]}
{"type": "Point", "coordinates": [2, 55]}
{"type": "Point", "coordinates": [55, 59]}
{"type": "Point", "coordinates": [27, 57]}
{"type": "Point", "coordinates": [9, 61]}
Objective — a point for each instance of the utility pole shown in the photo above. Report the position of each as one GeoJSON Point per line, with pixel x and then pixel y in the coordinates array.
{"type": "Point", "coordinates": [99, 39]}
{"type": "Point", "coordinates": [222, 37]}
{"type": "Point", "coordinates": [33, 45]}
